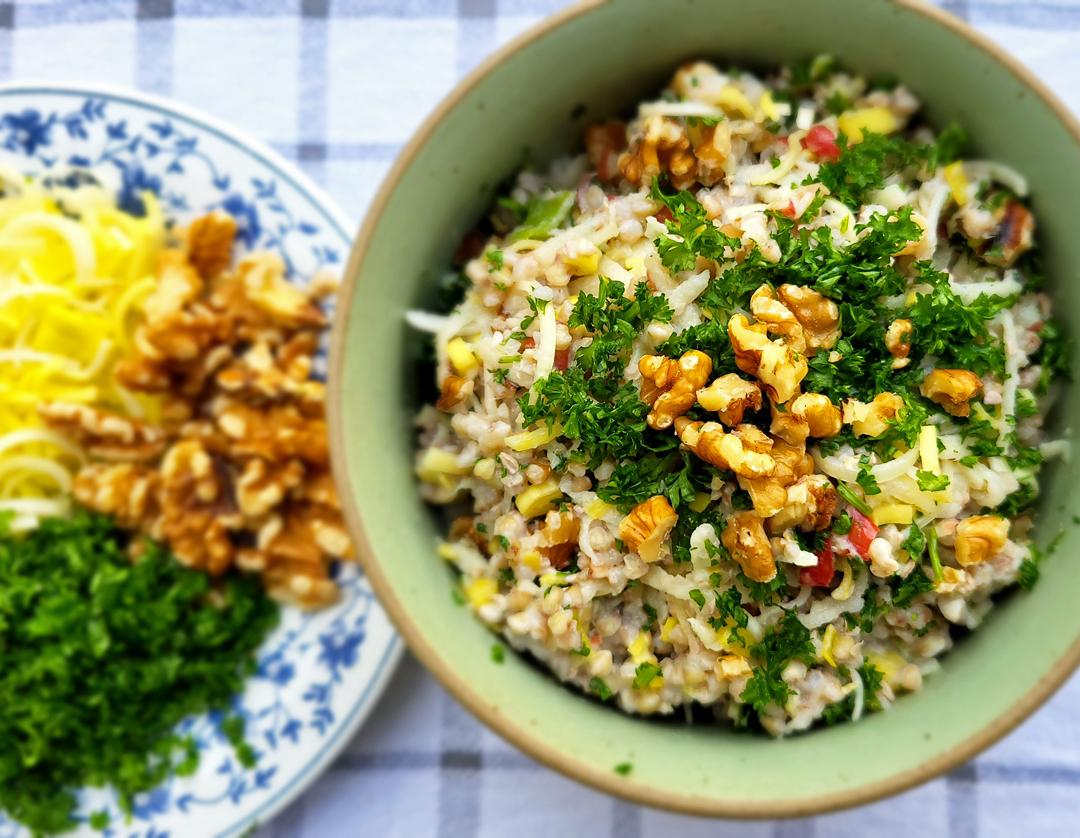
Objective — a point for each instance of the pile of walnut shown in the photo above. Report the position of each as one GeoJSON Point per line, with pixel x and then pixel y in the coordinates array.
{"type": "Point", "coordinates": [238, 473]}
{"type": "Point", "coordinates": [773, 468]}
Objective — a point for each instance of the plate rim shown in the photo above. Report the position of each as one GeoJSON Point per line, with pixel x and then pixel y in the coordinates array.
{"type": "Point", "coordinates": [273, 160]}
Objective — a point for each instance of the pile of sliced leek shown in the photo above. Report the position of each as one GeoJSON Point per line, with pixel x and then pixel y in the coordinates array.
{"type": "Point", "coordinates": [74, 271]}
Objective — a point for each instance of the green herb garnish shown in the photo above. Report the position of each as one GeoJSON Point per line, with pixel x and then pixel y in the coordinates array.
{"type": "Point", "coordinates": [100, 659]}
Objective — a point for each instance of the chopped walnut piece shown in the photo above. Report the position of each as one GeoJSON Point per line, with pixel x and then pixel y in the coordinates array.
{"type": "Point", "coordinates": [745, 539]}
{"type": "Point", "coordinates": [730, 396]}
{"type": "Point", "coordinates": [262, 486]}
{"type": "Point", "coordinates": [777, 366]}
{"type": "Point", "coordinates": [198, 509]}
{"type": "Point", "coordinates": [952, 389]}
{"type": "Point", "coordinates": [178, 285]}
{"type": "Point", "coordinates": [670, 386]}
{"type": "Point", "coordinates": [646, 527]}
{"type": "Point", "coordinates": [303, 584]}
{"type": "Point", "coordinates": [177, 326]}
{"type": "Point", "coordinates": [786, 424]}
{"type": "Point", "coordinates": [733, 452]}
{"type": "Point", "coordinates": [664, 148]}
{"type": "Point", "coordinates": [318, 488]}
{"type": "Point", "coordinates": [558, 538]}
{"type": "Point", "coordinates": [872, 419]}
{"type": "Point", "coordinates": [104, 435]}
{"type": "Point", "coordinates": [275, 432]}
{"type": "Point", "coordinates": [806, 415]}
{"type": "Point", "coordinates": [264, 280]}
{"type": "Point", "coordinates": [769, 493]}
{"type": "Point", "coordinates": [142, 374]}
{"type": "Point", "coordinates": [822, 417]}
{"type": "Point", "coordinates": [980, 538]}
{"type": "Point", "coordinates": [778, 319]}
{"type": "Point", "coordinates": [455, 390]}
{"type": "Point", "coordinates": [712, 146]}
{"type": "Point", "coordinates": [210, 241]}
{"type": "Point", "coordinates": [809, 505]}
{"type": "Point", "coordinates": [1016, 229]}
{"type": "Point", "coordinates": [817, 314]}
{"type": "Point", "coordinates": [898, 342]}
{"type": "Point", "coordinates": [126, 491]}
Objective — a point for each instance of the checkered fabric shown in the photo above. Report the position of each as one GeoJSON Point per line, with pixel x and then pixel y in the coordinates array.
{"type": "Point", "coordinates": [338, 86]}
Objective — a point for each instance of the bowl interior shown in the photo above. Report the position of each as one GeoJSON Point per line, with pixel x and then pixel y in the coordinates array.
{"type": "Point", "coordinates": [606, 58]}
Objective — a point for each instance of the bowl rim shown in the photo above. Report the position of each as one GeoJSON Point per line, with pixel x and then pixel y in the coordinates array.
{"type": "Point", "coordinates": [287, 171]}
{"type": "Point", "coordinates": [605, 780]}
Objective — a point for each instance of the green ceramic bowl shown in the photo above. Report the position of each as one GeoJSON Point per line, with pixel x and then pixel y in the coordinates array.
{"type": "Point", "coordinates": [595, 60]}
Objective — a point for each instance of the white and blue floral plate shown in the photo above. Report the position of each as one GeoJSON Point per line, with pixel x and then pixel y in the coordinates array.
{"type": "Point", "coordinates": [319, 674]}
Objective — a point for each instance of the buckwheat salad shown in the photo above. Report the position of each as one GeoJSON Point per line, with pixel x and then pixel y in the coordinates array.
{"type": "Point", "coordinates": [745, 404]}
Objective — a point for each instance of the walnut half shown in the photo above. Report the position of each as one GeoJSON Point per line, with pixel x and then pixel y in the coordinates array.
{"type": "Point", "coordinates": [872, 419]}
{"type": "Point", "coordinates": [952, 389]}
{"type": "Point", "coordinates": [898, 342]}
{"type": "Point", "coordinates": [730, 397]}
{"type": "Point", "coordinates": [647, 525]}
{"type": "Point", "coordinates": [671, 386]}
{"type": "Point", "coordinates": [817, 314]}
{"type": "Point", "coordinates": [777, 366]}
{"type": "Point", "coordinates": [744, 537]}
{"type": "Point", "coordinates": [980, 538]}
{"type": "Point", "coordinates": [745, 452]}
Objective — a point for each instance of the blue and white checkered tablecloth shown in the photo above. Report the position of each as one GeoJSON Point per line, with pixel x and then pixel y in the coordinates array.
{"type": "Point", "coordinates": [339, 86]}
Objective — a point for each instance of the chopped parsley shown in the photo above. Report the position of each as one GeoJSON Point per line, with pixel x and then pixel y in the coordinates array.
{"type": "Point", "coordinates": [101, 658]}
{"type": "Point", "coordinates": [1054, 354]}
{"type": "Point", "coordinates": [729, 607]}
{"type": "Point", "coordinates": [917, 582]}
{"type": "Point", "coordinates": [930, 482]}
{"type": "Point", "coordinates": [915, 543]}
{"type": "Point", "coordinates": [842, 711]}
{"type": "Point", "coordinates": [1029, 573]}
{"type": "Point", "coordinates": [932, 548]}
{"type": "Point", "coordinates": [866, 478]}
{"type": "Point", "coordinates": [677, 475]}
{"type": "Point", "coordinates": [608, 418]}
{"type": "Point", "coordinates": [690, 223]}
{"type": "Point", "coordinates": [842, 525]}
{"type": "Point", "coordinates": [954, 331]}
{"type": "Point", "coordinates": [849, 495]}
{"type": "Point", "coordinates": [600, 687]}
{"type": "Point", "coordinates": [863, 167]}
{"type": "Point", "coordinates": [645, 674]}
{"type": "Point", "coordinates": [614, 321]}
{"type": "Point", "coordinates": [498, 653]}
{"type": "Point", "coordinates": [763, 592]}
{"type": "Point", "coordinates": [783, 643]}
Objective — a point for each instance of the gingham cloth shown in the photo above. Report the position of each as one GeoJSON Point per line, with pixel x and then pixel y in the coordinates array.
{"type": "Point", "coordinates": [338, 86]}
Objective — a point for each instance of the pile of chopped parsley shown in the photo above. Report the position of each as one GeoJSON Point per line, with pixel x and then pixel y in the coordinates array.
{"type": "Point", "coordinates": [100, 658]}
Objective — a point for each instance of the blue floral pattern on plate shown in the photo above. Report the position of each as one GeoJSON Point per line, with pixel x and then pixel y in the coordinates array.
{"type": "Point", "coordinates": [319, 674]}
